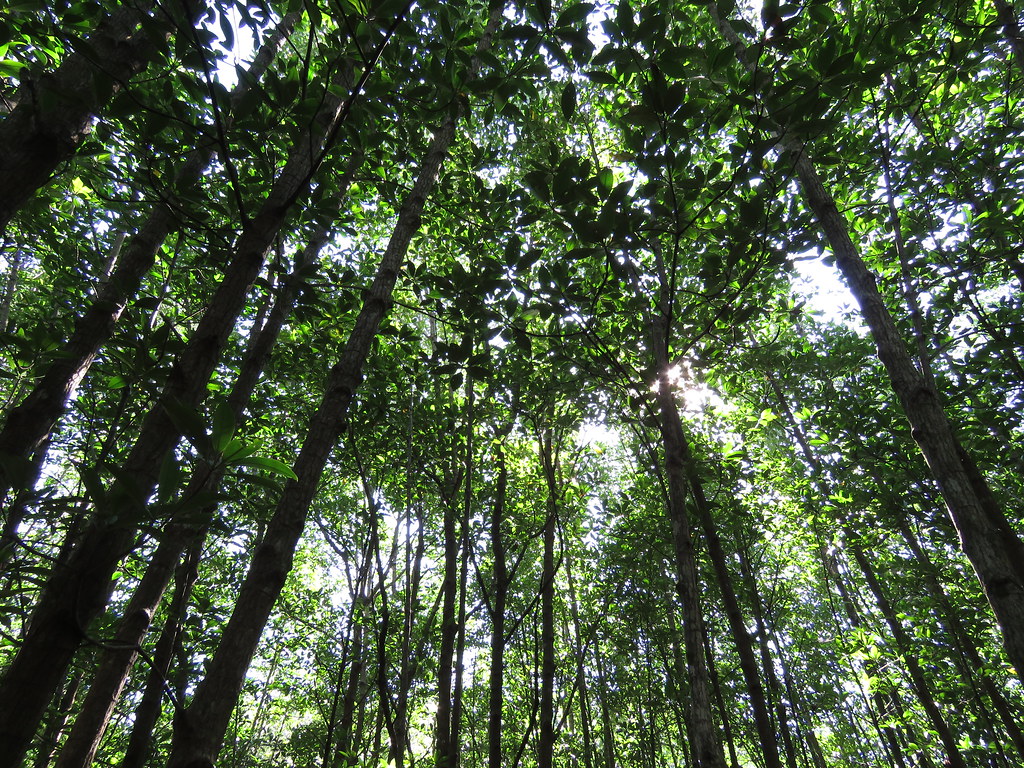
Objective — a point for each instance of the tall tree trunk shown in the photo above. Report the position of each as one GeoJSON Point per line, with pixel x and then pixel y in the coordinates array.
{"type": "Point", "coordinates": [905, 648]}
{"type": "Point", "coordinates": [734, 615]}
{"type": "Point", "coordinates": [117, 660]}
{"type": "Point", "coordinates": [963, 641]}
{"type": "Point", "coordinates": [78, 591]}
{"type": "Point", "coordinates": [580, 652]}
{"type": "Point", "coordinates": [499, 598]}
{"type": "Point", "coordinates": [986, 537]}
{"type": "Point", "coordinates": [200, 730]}
{"type": "Point", "coordinates": [58, 719]}
{"type": "Point", "coordinates": [28, 425]}
{"type": "Point", "coordinates": [148, 711]}
{"type": "Point", "coordinates": [55, 112]}
{"type": "Point", "coordinates": [703, 736]}
{"type": "Point", "coordinates": [767, 662]}
{"type": "Point", "coordinates": [10, 288]}
{"type": "Point", "coordinates": [546, 737]}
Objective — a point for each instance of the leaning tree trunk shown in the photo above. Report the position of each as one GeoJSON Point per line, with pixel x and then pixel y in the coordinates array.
{"type": "Point", "coordinates": [737, 622]}
{"type": "Point", "coordinates": [78, 589]}
{"type": "Point", "coordinates": [200, 729]}
{"type": "Point", "coordinates": [55, 112]}
{"type": "Point", "coordinates": [28, 425]}
{"type": "Point", "coordinates": [986, 537]}
{"type": "Point", "coordinates": [704, 741]}
{"type": "Point", "coordinates": [116, 662]}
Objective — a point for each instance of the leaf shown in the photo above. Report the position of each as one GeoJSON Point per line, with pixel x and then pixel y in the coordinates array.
{"type": "Point", "coordinates": [189, 423]}
{"type": "Point", "coordinates": [170, 478]}
{"type": "Point", "coordinates": [269, 464]}
{"type": "Point", "coordinates": [568, 101]}
{"type": "Point", "coordinates": [223, 426]}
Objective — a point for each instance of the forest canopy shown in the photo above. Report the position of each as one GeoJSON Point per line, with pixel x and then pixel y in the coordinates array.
{"type": "Point", "coordinates": [627, 384]}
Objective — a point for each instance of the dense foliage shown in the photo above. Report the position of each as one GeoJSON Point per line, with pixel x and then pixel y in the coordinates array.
{"type": "Point", "coordinates": [511, 384]}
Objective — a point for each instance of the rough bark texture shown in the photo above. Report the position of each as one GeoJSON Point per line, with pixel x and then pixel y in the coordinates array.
{"type": "Point", "coordinates": [702, 731]}
{"type": "Point", "coordinates": [54, 114]}
{"type": "Point", "coordinates": [200, 730]}
{"type": "Point", "coordinates": [28, 425]}
{"type": "Point", "coordinates": [990, 543]}
{"type": "Point", "coordinates": [985, 536]}
{"type": "Point", "coordinates": [78, 590]}
{"type": "Point", "coordinates": [737, 624]}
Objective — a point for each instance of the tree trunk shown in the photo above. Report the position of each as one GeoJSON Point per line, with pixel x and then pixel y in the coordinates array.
{"type": "Point", "coordinates": [546, 737]}
{"type": "Point", "coordinates": [734, 615]}
{"type": "Point", "coordinates": [148, 711]}
{"type": "Point", "coordinates": [76, 593]}
{"type": "Point", "coordinates": [703, 736]}
{"type": "Point", "coordinates": [55, 112]}
{"type": "Point", "coordinates": [986, 537]}
{"type": "Point", "coordinates": [904, 646]}
{"type": "Point", "coordinates": [499, 597]}
{"type": "Point", "coordinates": [200, 730]}
{"type": "Point", "coordinates": [28, 425]}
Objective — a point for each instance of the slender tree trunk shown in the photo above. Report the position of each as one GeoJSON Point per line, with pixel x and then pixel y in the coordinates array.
{"type": "Point", "coordinates": [986, 537]}
{"type": "Point", "coordinates": [147, 713]}
{"type": "Point", "coordinates": [607, 718]}
{"type": "Point", "coordinates": [10, 289]}
{"type": "Point", "coordinates": [963, 641]}
{"type": "Point", "coordinates": [117, 661]}
{"type": "Point", "coordinates": [55, 112]}
{"type": "Point", "coordinates": [586, 722]}
{"type": "Point", "coordinates": [734, 615]}
{"type": "Point", "coordinates": [28, 425]}
{"type": "Point", "coordinates": [499, 597]}
{"type": "Point", "coordinates": [78, 592]}
{"type": "Point", "coordinates": [703, 736]}
{"type": "Point", "coordinates": [200, 730]}
{"type": "Point", "coordinates": [546, 737]}
{"type": "Point", "coordinates": [904, 646]}
{"type": "Point", "coordinates": [464, 544]}
{"type": "Point", "coordinates": [716, 690]}
{"type": "Point", "coordinates": [58, 719]}
{"type": "Point", "coordinates": [445, 753]}
{"type": "Point", "coordinates": [767, 663]}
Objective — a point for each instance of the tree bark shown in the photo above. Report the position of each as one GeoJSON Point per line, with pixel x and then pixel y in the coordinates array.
{"type": "Point", "coordinates": [704, 741]}
{"type": "Point", "coordinates": [150, 706]}
{"type": "Point", "coordinates": [546, 736]}
{"type": "Point", "coordinates": [499, 598]}
{"type": "Point", "coordinates": [78, 591]}
{"type": "Point", "coordinates": [734, 615]}
{"type": "Point", "coordinates": [986, 537]}
{"type": "Point", "coordinates": [28, 425]}
{"type": "Point", "coordinates": [55, 113]}
{"type": "Point", "coordinates": [199, 731]}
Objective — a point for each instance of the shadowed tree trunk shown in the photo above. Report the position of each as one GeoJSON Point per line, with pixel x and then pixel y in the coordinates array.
{"type": "Point", "coordinates": [199, 731]}
{"type": "Point", "coordinates": [28, 425]}
{"type": "Point", "coordinates": [77, 591]}
{"type": "Point", "coordinates": [986, 537]}
{"type": "Point", "coordinates": [54, 113]}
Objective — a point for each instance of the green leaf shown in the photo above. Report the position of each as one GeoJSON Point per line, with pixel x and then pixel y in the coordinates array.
{"type": "Point", "coordinates": [568, 101]}
{"type": "Point", "coordinates": [189, 423]}
{"type": "Point", "coordinates": [170, 478]}
{"type": "Point", "coordinates": [223, 426]}
{"type": "Point", "coordinates": [272, 465]}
